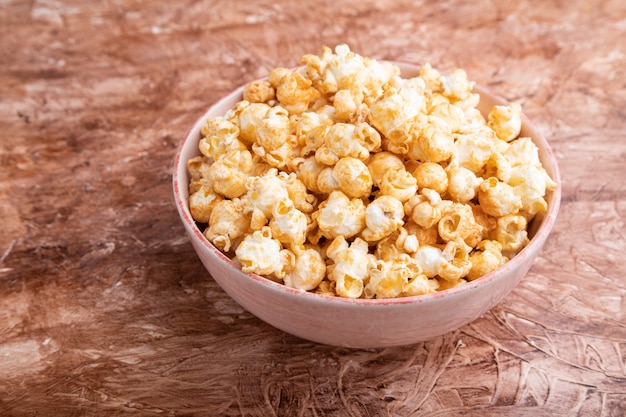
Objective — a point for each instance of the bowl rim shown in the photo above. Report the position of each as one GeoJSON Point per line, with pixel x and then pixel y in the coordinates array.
{"type": "Point", "coordinates": [537, 241]}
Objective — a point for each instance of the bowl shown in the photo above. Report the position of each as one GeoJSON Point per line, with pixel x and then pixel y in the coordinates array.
{"type": "Point", "coordinates": [364, 323]}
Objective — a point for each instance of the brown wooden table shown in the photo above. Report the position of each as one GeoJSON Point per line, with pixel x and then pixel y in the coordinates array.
{"type": "Point", "coordinates": [105, 309]}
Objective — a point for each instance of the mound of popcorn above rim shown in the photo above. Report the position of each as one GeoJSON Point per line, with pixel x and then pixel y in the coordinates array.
{"type": "Point", "coordinates": [342, 178]}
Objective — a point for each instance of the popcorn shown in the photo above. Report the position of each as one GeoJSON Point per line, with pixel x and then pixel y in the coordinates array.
{"type": "Point", "coordinates": [506, 121]}
{"type": "Point", "coordinates": [309, 271]}
{"type": "Point", "coordinates": [344, 139]}
{"type": "Point", "coordinates": [383, 216]}
{"type": "Point", "coordinates": [391, 114]}
{"type": "Point", "coordinates": [340, 216]}
{"type": "Point", "coordinates": [497, 198]}
{"type": "Point", "coordinates": [351, 266]}
{"type": "Point", "coordinates": [344, 179]}
{"type": "Point", "coordinates": [228, 174]}
{"type": "Point", "coordinates": [219, 136]}
{"type": "Point", "coordinates": [289, 226]}
{"type": "Point", "coordinates": [462, 184]}
{"type": "Point", "coordinates": [382, 162]}
{"type": "Point", "coordinates": [227, 223]}
{"type": "Point", "coordinates": [511, 232]}
{"type": "Point", "coordinates": [429, 258]}
{"type": "Point", "coordinates": [392, 278]}
{"type": "Point", "coordinates": [422, 210]}
{"type": "Point", "coordinates": [349, 105]}
{"type": "Point", "coordinates": [431, 175]}
{"type": "Point", "coordinates": [248, 116]}
{"type": "Point", "coordinates": [456, 86]}
{"type": "Point", "coordinates": [309, 172]}
{"type": "Point", "coordinates": [264, 192]}
{"type": "Point", "coordinates": [259, 253]}
{"type": "Point", "coordinates": [201, 204]}
{"type": "Point", "coordinates": [457, 263]}
{"type": "Point", "coordinates": [326, 181]}
{"type": "Point", "coordinates": [398, 183]}
{"type": "Point", "coordinates": [529, 184]}
{"type": "Point", "coordinates": [353, 177]}
{"type": "Point", "coordinates": [485, 259]}
{"type": "Point", "coordinates": [458, 222]}
{"type": "Point", "coordinates": [271, 135]}
{"type": "Point", "coordinates": [259, 92]}
{"type": "Point", "coordinates": [436, 141]}
{"type": "Point", "coordinates": [293, 90]}
{"type": "Point", "coordinates": [472, 150]}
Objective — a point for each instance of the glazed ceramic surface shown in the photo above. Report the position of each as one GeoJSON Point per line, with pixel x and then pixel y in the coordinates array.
{"type": "Point", "coordinates": [364, 323]}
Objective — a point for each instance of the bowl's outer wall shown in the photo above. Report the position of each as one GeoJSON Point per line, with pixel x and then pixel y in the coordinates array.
{"type": "Point", "coordinates": [361, 323]}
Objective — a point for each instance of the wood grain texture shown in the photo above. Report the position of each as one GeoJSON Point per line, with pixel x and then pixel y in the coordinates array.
{"type": "Point", "coordinates": [105, 309]}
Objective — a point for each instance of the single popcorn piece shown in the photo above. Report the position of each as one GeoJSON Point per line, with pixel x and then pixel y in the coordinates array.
{"type": "Point", "coordinates": [456, 86]}
{"type": "Point", "coordinates": [349, 106]}
{"type": "Point", "coordinates": [261, 254]}
{"type": "Point", "coordinates": [298, 193]}
{"type": "Point", "coordinates": [263, 194]}
{"type": "Point", "coordinates": [289, 226]}
{"type": "Point", "coordinates": [353, 177]}
{"type": "Point", "coordinates": [399, 184]}
{"type": "Point", "coordinates": [435, 141]}
{"type": "Point", "coordinates": [201, 204]}
{"type": "Point", "coordinates": [473, 150]}
{"type": "Point", "coordinates": [462, 184]}
{"type": "Point", "coordinates": [382, 162]}
{"type": "Point", "coordinates": [198, 168]}
{"type": "Point", "coordinates": [458, 222]}
{"type": "Point", "coordinates": [485, 259]}
{"type": "Point", "coordinates": [229, 173]}
{"type": "Point", "coordinates": [310, 131]}
{"type": "Point", "coordinates": [228, 223]}
{"type": "Point", "coordinates": [424, 209]}
{"type": "Point", "coordinates": [521, 151]}
{"type": "Point", "coordinates": [497, 198]}
{"type": "Point", "coordinates": [506, 121]}
{"type": "Point", "coordinates": [351, 266]}
{"type": "Point", "coordinates": [431, 175]}
{"type": "Point", "coordinates": [345, 179]}
{"type": "Point", "coordinates": [529, 183]}
{"type": "Point", "coordinates": [309, 271]}
{"type": "Point", "coordinates": [308, 173]}
{"type": "Point", "coordinates": [453, 116]}
{"type": "Point", "coordinates": [259, 92]}
{"type": "Point", "coordinates": [457, 261]}
{"type": "Point", "coordinates": [340, 216]}
{"type": "Point", "coordinates": [326, 181]}
{"type": "Point", "coordinates": [383, 216]}
{"type": "Point", "coordinates": [511, 233]}
{"type": "Point", "coordinates": [248, 116]}
{"type": "Point", "coordinates": [429, 258]}
{"type": "Point", "coordinates": [392, 114]}
{"type": "Point", "coordinates": [432, 78]}
{"type": "Point", "coordinates": [271, 135]}
{"type": "Point", "coordinates": [219, 137]}
{"type": "Point", "coordinates": [293, 90]}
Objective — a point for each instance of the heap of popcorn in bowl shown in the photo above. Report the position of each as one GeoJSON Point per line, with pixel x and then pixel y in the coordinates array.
{"type": "Point", "coordinates": [342, 178]}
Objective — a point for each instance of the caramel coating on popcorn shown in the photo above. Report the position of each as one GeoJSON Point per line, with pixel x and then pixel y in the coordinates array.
{"type": "Point", "coordinates": [344, 179]}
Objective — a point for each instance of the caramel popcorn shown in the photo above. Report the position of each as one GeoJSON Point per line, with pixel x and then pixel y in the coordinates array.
{"type": "Point", "coordinates": [342, 178]}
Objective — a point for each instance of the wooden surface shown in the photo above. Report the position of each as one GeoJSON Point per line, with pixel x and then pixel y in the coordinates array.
{"type": "Point", "coordinates": [105, 309]}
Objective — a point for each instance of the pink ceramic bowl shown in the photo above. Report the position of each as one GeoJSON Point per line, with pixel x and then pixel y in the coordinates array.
{"type": "Point", "coordinates": [364, 323]}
